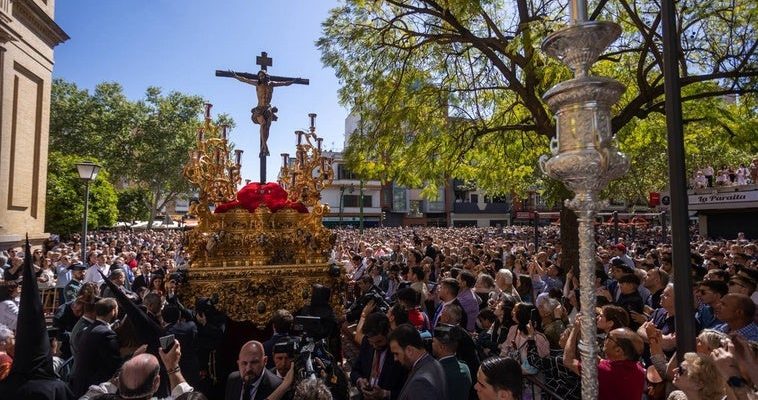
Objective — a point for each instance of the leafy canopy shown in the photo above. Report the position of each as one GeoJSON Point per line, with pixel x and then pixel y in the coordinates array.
{"type": "Point", "coordinates": [453, 88]}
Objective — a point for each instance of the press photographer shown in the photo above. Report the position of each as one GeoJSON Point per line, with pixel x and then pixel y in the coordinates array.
{"type": "Point", "coordinates": [369, 292]}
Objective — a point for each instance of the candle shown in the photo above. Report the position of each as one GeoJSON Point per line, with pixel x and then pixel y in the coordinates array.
{"type": "Point", "coordinates": [200, 135]}
{"type": "Point", "coordinates": [313, 121]}
{"type": "Point", "coordinates": [318, 142]}
{"type": "Point", "coordinates": [224, 131]}
{"type": "Point", "coordinates": [208, 110]}
{"type": "Point", "coordinates": [238, 155]}
{"type": "Point", "coordinates": [299, 137]}
{"type": "Point", "coordinates": [285, 159]}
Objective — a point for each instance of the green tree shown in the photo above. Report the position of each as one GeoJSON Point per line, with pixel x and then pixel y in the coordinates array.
{"type": "Point", "coordinates": [65, 197]}
{"type": "Point", "coordinates": [453, 87]}
{"type": "Point", "coordinates": [165, 135]}
{"type": "Point", "coordinates": [134, 204]}
{"type": "Point", "coordinates": [144, 144]}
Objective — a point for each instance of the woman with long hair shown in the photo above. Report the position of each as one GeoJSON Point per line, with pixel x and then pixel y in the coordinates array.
{"type": "Point", "coordinates": [525, 342]}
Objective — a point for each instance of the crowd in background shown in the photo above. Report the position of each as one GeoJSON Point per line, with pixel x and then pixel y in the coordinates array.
{"type": "Point", "coordinates": [451, 313]}
{"type": "Point", "coordinates": [744, 174]}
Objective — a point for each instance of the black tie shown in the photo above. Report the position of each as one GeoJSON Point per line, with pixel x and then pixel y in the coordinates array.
{"type": "Point", "coordinates": [247, 393]}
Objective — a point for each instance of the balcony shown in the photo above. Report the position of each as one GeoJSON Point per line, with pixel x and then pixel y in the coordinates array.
{"type": "Point", "coordinates": [475, 208]}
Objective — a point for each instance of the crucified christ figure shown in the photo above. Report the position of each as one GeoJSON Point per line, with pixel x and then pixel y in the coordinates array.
{"type": "Point", "coordinates": [264, 113]}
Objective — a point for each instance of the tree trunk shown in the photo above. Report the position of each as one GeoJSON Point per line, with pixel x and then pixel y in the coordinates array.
{"type": "Point", "coordinates": [154, 207]}
{"type": "Point", "coordinates": [569, 240]}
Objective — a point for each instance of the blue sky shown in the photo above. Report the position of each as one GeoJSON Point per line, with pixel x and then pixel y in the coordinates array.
{"type": "Point", "coordinates": [178, 45]}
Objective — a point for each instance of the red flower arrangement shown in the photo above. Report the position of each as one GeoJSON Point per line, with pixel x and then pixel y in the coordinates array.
{"type": "Point", "coordinates": [254, 194]}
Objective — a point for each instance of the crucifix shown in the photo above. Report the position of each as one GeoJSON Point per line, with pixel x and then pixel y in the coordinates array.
{"type": "Point", "coordinates": [264, 113]}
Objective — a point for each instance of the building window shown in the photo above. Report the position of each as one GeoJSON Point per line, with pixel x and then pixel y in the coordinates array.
{"type": "Point", "coordinates": [416, 208]}
{"type": "Point", "coordinates": [399, 199]}
{"type": "Point", "coordinates": [344, 173]}
{"type": "Point", "coordinates": [353, 200]}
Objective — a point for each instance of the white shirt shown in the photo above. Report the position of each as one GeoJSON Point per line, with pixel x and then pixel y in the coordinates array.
{"type": "Point", "coordinates": [9, 314]}
{"type": "Point", "coordinates": [92, 274]}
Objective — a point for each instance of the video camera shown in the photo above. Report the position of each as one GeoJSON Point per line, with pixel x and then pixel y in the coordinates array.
{"type": "Point", "coordinates": [377, 295]}
{"type": "Point", "coordinates": [312, 359]}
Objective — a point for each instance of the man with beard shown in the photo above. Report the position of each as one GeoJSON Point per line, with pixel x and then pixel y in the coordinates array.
{"type": "Point", "coordinates": [426, 379]}
{"type": "Point", "coordinates": [253, 381]}
{"type": "Point", "coordinates": [73, 286]}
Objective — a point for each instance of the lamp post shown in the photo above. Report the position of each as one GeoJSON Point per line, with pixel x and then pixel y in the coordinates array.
{"type": "Point", "coordinates": [342, 204]}
{"type": "Point", "coordinates": [88, 172]}
{"type": "Point", "coordinates": [361, 200]}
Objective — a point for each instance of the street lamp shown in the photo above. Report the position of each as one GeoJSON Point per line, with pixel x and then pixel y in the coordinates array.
{"type": "Point", "coordinates": [88, 172]}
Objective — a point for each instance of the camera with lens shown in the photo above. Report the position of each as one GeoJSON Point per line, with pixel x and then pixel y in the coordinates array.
{"type": "Point", "coordinates": [370, 292]}
{"type": "Point", "coordinates": [311, 356]}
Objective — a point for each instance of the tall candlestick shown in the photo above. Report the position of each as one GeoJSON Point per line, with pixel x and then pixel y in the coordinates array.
{"type": "Point", "coordinates": [218, 156]}
{"type": "Point", "coordinates": [224, 131]}
{"type": "Point", "coordinates": [578, 11]}
{"type": "Point", "coordinates": [294, 178]}
{"type": "Point", "coordinates": [299, 137]}
{"type": "Point", "coordinates": [318, 143]}
{"type": "Point", "coordinates": [313, 121]}
{"type": "Point", "coordinates": [208, 110]}
{"type": "Point", "coordinates": [285, 159]}
{"type": "Point", "coordinates": [200, 135]}
{"type": "Point", "coordinates": [238, 156]}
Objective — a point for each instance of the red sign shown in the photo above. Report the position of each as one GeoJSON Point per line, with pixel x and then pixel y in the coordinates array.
{"type": "Point", "coordinates": [524, 215]}
{"type": "Point", "coordinates": [654, 199]}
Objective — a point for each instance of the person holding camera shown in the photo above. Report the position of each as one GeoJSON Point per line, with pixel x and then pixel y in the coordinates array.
{"type": "Point", "coordinates": [369, 292]}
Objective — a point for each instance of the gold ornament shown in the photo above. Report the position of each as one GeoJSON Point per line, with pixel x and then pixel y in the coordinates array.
{"type": "Point", "coordinates": [261, 261]}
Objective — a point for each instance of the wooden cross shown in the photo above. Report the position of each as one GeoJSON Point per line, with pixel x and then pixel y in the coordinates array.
{"type": "Point", "coordinates": [264, 61]}
{"type": "Point", "coordinates": [264, 113]}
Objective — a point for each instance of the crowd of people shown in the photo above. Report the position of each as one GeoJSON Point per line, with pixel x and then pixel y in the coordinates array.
{"type": "Point", "coordinates": [744, 174]}
{"type": "Point", "coordinates": [438, 313]}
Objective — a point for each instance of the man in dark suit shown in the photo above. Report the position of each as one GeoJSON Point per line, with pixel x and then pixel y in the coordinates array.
{"type": "Point", "coordinates": [99, 352]}
{"type": "Point", "coordinates": [186, 333]}
{"type": "Point", "coordinates": [281, 321]}
{"type": "Point", "coordinates": [253, 381]}
{"type": "Point", "coordinates": [444, 348]}
{"type": "Point", "coordinates": [448, 294]}
{"type": "Point", "coordinates": [375, 372]}
{"type": "Point", "coordinates": [426, 379]}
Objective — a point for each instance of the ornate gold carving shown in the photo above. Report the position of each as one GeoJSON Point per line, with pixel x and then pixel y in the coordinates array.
{"type": "Point", "coordinates": [253, 293]}
{"type": "Point", "coordinates": [261, 261]}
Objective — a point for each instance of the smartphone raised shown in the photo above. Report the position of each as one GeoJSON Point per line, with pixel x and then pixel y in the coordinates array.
{"type": "Point", "coordinates": [167, 342]}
